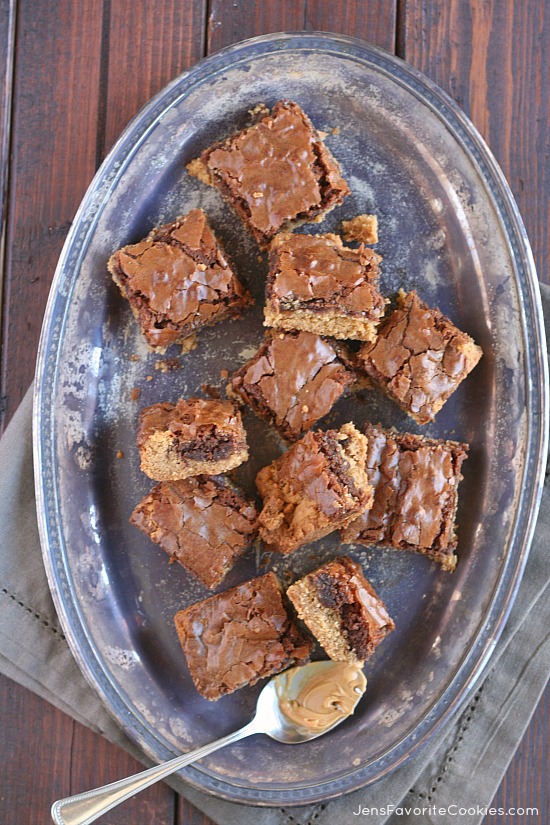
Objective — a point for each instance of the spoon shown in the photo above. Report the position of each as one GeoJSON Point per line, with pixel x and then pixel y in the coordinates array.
{"type": "Point", "coordinates": [295, 706]}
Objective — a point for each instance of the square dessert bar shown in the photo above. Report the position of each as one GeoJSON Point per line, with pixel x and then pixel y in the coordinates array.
{"type": "Point", "coordinates": [316, 283]}
{"type": "Point", "coordinates": [178, 280]}
{"type": "Point", "coordinates": [274, 173]}
{"type": "Point", "coordinates": [418, 358]}
{"type": "Point", "coordinates": [318, 485]}
{"type": "Point", "coordinates": [204, 523]}
{"type": "Point", "coordinates": [415, 481]}
{"type": "Point", "coordinates": [293, 380]}
{"type": "Point", "coordinates": [235, 638]}
{"type": "Point", "coordinates": [340, 607]}
{"type": "Point", "coordinates": [194, 436]}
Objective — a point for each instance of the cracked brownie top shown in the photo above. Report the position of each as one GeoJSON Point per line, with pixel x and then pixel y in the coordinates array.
{"type": "Point", "coordinates": [275, 172]}
{"type": "Point", "coordinates": [203, 523]}
{"type": "Point", "coordinates": [293, 380]}
{"type": "Point", "coordinates": [415, 481]}
{"type": "Point", "coordinates": [419, 357]}
{"type": "Point", "coordinates": [318, 284]}
{"type": "Point", "coordinates": [177, 280]}
{"type": "Point", "coordinates": [237, 637]}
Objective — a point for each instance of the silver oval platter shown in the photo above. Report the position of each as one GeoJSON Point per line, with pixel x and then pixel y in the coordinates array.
{"type": "Point", "coordinates": [448, 228]}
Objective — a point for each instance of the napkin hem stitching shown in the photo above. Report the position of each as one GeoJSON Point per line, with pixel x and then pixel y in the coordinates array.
{"type": "Point", "coordinates": [33, 613]}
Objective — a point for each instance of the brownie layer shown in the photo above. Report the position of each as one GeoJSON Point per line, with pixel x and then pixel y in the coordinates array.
{"type": "Point", "coordinates": [415, 481]}
{"type": "Point", "coordinates": [194, 436]}
{"type": "Point", "coordinates": [293, 380]}
{"type": "Point", "coordinates": [274, 173]}
{"type": "Point", "coordinates": [316, 283]}
{"type": "Point", "coordinates": [235, 638]}
{"type": "Point", "coordinates": [203, 523]}
{"type": "Point", "coordinates": [178, 280]}
{"type": "Point", "coordinates": [419, 357]}
{"type": "Point", "coordinates": [318, 485]}
{"type": "Point", "coordinates": [342, 610]}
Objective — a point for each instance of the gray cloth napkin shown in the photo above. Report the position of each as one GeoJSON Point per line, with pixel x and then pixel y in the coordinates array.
{"type": "Point", "coordinates": [462, 766]}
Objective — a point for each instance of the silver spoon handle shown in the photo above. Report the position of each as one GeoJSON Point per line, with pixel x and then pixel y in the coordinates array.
{"type": "Point", "coordinates": [84, 808]}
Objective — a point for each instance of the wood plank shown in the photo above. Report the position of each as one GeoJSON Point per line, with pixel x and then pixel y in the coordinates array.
{"type": "Point", "coordinates": [7, 36]}
{"type": "Point", "coordinates": [492, 59]}
{"type": "Point", "coordinates": [56, 86]}
{"type": "Point", "coordinates": [34, 768]}
{"type": "Point", "coordinates": [525, 783]}
{"type": "Point", "coordinates": [7, 54]}
{"type": "Point", "coordinates": [230, 22]}
{"type": "Point", "coordinates": [96, 762]}
{"type": "Point", "coordinates": [59, 759]}
{"type": "Point", "coordinates": [171, 38]}
{"type": "Point", "coordinates": [373, 22]}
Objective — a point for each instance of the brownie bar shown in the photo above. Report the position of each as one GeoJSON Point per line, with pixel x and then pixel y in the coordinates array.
{"type": "Point", "coordinates": [418, 358]}
{"type": "Point", "coordinates": [318, 485]}
{"type": "Point", "coordinates": [293, 380]}
{"type": "Point", "coordinates": [415, 481]}
{"type": "Point", "coordinates": [203, 523]}
{"type": "Point", "coordinates": [274, 173]}
{"type": "Point", "coordinates": [235, 638]}
{"type": "Point", "coordinates": [316, 283]}
{"type": "Point", "coordinates": [178, 280]}
{"type": "Point", "coordinates": [191, 437]}
{"type": "Point", "coordinates": [340, 607]}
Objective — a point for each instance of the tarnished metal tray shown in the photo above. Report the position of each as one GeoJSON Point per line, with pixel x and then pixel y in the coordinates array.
{"type": "Point", "coordinates": [450, 229]}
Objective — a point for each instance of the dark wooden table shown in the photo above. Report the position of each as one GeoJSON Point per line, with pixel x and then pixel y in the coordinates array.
{"type": "Point", "coordinates": [72, 74]}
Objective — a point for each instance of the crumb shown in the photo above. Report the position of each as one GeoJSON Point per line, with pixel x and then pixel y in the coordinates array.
{"type": "Point", "coordinates": [210, 391]}
{"type": "Point", "coordinates": [305, 408]}
{"type": "Point", "coordinates": [148, 377]}
{"type": "Point", "coordinates": [259, 259]}
{"type": "Point", "coordinates": [134, 357]}
{"type": "Point", "coordinates": [335, 131]}
{"type": "Point", "coordinates": [189, 344]}
{"type": "Point", "coordinates": [363, 228]}
{"type": "Point", "coordinates": [135, 393]}
{"type": "Point", "coordinates": [198, 170]}
{"type": "Point", "coordinates": [257, 194]}
{"type": "Point", "coordinates": [201, 267]}
{"type": "Point", "coordinates": [259, 110]}
{"type": "Point", "coordinates": [224, 374]}
{"type": "Point", "coordinates": [120, 454]}
{"type": "Point", "coordinates": [167, 365]}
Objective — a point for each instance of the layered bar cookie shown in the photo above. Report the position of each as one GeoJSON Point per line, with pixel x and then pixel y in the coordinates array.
{"type": "Point", "coordinates": [316, 283]}
{"type": "Point", "coordinates": [189, 438]}
{"type": "Point", "coordinates": [293, 380]}
{"type": "Point", "coordinates": [418, 358]}
{"type": "Point", "coordinates": [235, 638]}
{"type": "Point", "coordinates": [415, 481]}
{"type": "Point", "coordinates": [178, 280]}
{"type": "Point", "coordinates": [203, 523]}
{"type": "Point", "coordinates": [275, 173]}
{"type": "Point", "coordinates": [340, 607]}
{"type": "Point", "coordinates": [318, 485]}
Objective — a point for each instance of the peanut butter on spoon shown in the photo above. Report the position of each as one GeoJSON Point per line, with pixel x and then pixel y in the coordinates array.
{"type": "Point", "coordinates": [319, 702]}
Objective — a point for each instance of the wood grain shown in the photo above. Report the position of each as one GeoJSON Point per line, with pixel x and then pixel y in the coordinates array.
{"type": "Point", "coordinates": [56, 87]}
{"type": "Point", "coordinates": [7, 54]}
{"type": "Point", "coordinates": [230, 22]}
{"type": "Point", "coordinates": [525, 783]}
{"type": "Point", "coordinates": [171, 38]}
{"type": "Point", "coordinates": [492, 57]}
